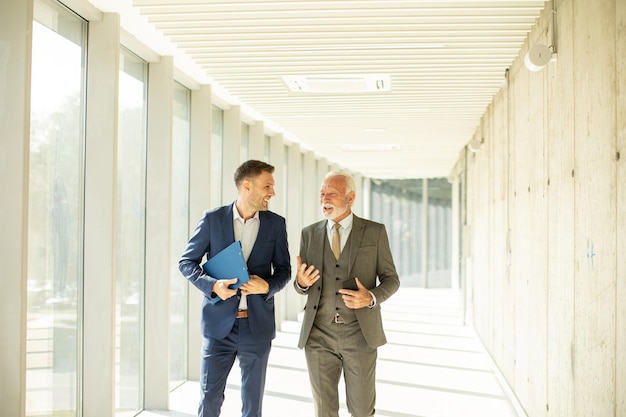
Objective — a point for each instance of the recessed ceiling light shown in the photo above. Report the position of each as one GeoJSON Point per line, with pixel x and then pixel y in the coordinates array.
{"type": "Point", "coordinates": [329, 84]}
{"type": "Point", "coordinates": [373, 147]}
{"type": "Point", "coordinates": [352, 47]}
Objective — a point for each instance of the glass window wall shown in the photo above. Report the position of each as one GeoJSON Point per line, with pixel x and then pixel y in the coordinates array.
{"type": "Point", "coordinates": [399, 204]}
{"type": "Point", "coordinates": [55, 217]}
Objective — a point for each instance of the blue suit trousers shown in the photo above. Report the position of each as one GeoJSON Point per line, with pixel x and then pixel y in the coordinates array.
{"type": "Point", "coordinates": [218, 357]}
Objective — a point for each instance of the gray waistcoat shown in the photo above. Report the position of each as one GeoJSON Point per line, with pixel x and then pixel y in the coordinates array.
{"type": "Point", "coordinates": [334, 273]}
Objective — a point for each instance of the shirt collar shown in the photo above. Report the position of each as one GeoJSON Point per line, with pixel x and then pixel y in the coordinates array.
{"type": "Point", "coordinates": [345, 223]}
{"type": "Point", "coordinates": [237, 216]}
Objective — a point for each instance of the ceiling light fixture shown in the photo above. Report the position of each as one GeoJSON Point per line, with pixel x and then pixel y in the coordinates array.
{"type": "Point", "coordinates": [360, 47]}
{"type": "Point", "coordinates": [369, 83]}
{"type": "Point", "coordinates": [374, 147]}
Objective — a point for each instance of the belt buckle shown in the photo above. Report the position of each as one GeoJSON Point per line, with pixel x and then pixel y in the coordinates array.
{"type": "Point", "coordinates": [338, 319]}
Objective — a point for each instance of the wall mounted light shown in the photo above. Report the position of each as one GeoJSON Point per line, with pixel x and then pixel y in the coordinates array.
{"type": "Point", "coordinates": [539, 55]}
{"type": "Point", "coordinates": [372, 147]}
{"type": "Point", "coordinates": [475, 144]}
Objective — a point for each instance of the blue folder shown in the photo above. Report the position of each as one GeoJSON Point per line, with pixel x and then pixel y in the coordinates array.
{"type": "Point", "coordinates": [227, 264]}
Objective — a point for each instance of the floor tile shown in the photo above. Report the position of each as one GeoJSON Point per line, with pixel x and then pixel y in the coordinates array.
{"type": "Point", "coordinates": [432, 366]}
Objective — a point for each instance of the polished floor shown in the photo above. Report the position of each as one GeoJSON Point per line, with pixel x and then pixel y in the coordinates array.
{"type": "Point", "coordinates": [432, 366]}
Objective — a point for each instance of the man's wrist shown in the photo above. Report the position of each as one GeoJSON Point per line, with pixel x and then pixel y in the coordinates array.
{"type": "Point", "coordinates": [373, 302]}
{"type": "Point", "coordinates": [300, 287]}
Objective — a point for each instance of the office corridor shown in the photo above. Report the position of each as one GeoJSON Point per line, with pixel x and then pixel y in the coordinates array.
{"type": "Point", "coordinates": [432, 366]}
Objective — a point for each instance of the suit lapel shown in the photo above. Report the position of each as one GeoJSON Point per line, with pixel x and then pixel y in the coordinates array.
{"type": "Point", "coordinates": [354, 241]}
{"type": "Point", "coordinates": [264, 227]}
{"type": "Point", "coordinates": [319, 236]}
{"type": "Point", "coordinates": [227, 224]}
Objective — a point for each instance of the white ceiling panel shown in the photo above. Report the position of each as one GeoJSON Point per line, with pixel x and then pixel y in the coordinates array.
{"type": "Point", "coordinates": [445, 60]}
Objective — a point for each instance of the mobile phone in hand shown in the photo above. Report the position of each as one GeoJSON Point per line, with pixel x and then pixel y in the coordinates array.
{"type": "Point", "coordinates": [350, 284]}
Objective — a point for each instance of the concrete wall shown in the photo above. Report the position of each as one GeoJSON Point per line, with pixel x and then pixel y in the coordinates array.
{"type": "Point", "coordinates": [545, 228]}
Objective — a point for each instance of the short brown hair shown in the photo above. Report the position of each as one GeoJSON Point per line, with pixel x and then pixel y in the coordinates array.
{"type": "Point", "coordinates": [251, 169]}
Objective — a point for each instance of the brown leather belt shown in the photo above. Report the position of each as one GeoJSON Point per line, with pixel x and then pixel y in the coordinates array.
{"type": "Point", "coordinates": [242, 314]}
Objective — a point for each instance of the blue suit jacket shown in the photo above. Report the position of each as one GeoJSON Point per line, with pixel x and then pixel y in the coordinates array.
{"type": "Point", "coordinates": [268, 259]}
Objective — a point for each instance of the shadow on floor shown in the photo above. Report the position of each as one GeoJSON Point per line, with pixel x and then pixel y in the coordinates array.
{"type": "Point", "coordinates": [432, 366]}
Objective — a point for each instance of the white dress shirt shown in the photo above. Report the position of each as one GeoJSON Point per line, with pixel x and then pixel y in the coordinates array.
{"type": "Point", "coordinates": [246, 232]}
{"type": "Point", "coordinates": [344, 230]}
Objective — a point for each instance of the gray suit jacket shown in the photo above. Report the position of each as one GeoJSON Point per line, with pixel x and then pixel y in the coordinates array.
{"type": "Point", "coordinates": [370, 260]}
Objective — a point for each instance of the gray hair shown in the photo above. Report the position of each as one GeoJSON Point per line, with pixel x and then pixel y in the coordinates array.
{"type": "Point", "coordinates": [350, 184]}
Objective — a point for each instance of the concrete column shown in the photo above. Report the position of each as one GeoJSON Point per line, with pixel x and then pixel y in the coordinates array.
{"type": "Point", "coordinates": [295, 174]}
{"type": "Point", "coordinates": [158, 236]}
{"type": "Point", "coordinates": [322, 169]}
{"type": "Point", "coordinates": [595, 176]}
{"type": "Point", "coordinates": [277, 158]}
{"type": "Point", "coordinates": [358, 204]}
{"type": "Point", "coordinates": [364, 197]}
{"type": "Point", "coordinates": [199, 200]}
{"type": "Point", "coordinates": [278, 205]}
{"type": "Point", "coordinates": [16, 18]}
{"type": "Point", "coordinates": [425, 232]}
{"type": "Point", "coordinates": [231, 152]}
{"type": "Point", "coordinates": [335, 167]}
{"type": "Point", "coordinates": [455, 255]}
{"type": "Point", "coordinates": [256, 144]}
{"type": "Point", "coordinates": [310, 191]}
{"type": "Point", "coordinates": [620, 342]}
{"type": "Point", "coordinates": [100, 191]}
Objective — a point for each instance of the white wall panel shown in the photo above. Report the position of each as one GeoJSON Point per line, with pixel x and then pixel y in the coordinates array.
{"type": "Point", "coordinates": [16, 17]}
{"type": "Point", "coordinates": [561, 337]}
{"type": "Point", "coordinates": [158, 233]}
{"type": "Point", "coordinates": [520, 228]}
{"type": "Point", "coordinates": [620, 156]}
{"type": "Point", "coordinates": [561, 211]}
{"type": "Point", "coordinates": [257, 141]}
{"type": "Point", "coordinates": [594, 118]}
{"type": "Point", "coordinates": [231, 156]}
{"type": "Point", "coordinates": [199, 200]}
{"type": "Point", "coordinates": [100, 191]}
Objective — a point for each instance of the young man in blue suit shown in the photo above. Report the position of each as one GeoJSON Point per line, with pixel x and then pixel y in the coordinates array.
{"type": "Point", "coordinates": [239, 323]}
{"type": "Point", "coordinates": [346, 270]}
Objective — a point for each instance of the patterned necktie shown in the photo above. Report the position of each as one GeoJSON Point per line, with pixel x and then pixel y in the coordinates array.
{"type": "Point", "coordinates": [336, 242]}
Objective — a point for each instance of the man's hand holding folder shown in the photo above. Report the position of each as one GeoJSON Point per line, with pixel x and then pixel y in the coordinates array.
{"type": "Point", "coordinates": [223, 288]}
{"type": "Point", "coordinates": [229, 268]}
